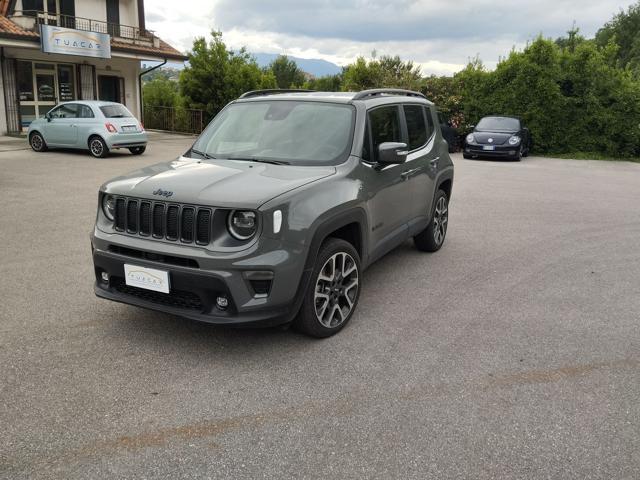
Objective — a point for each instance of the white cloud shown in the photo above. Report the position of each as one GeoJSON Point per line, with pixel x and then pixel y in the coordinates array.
{"type": "Point", "coordinates": [439, 35]}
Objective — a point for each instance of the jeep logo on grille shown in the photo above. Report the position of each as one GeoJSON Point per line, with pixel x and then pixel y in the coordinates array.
{"type": "Point", "coordinates": [163, 193]}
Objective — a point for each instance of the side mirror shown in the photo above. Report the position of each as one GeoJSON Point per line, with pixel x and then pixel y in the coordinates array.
{"type": "Point", "coordinates": [48, 117]}
{"type": "Point", "coordinates": [390, 153]}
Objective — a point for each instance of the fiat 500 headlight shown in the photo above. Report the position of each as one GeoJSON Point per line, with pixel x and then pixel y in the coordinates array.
{"type": "Point", "coordinates": [515, 140]}
{"type": "Point", "coordinates": [471, 138]}
{"type": "Point", "coordinates": [109, 206]}
{"type": "Point", "coordinates": [242, 224]}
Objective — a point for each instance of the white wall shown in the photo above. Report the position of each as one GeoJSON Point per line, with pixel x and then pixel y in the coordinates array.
{"type": "Point", "coordinates": [3, 112]}
{"type": "Point", "coordinates": [93, 9]}
{"type": "Point", "coordinates": [97, 10]}
{"type": "Point", "coordinates": [129, 12]}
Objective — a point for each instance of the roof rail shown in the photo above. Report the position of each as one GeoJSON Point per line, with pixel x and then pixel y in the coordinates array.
{"type": "Point", "coordinates": [273, 91]}
{"type": "Point", "coordinates": [387, 91]}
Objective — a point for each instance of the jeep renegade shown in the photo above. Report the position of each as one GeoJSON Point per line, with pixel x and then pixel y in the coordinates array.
{"type": "Point", "coordinates": [273, 214]}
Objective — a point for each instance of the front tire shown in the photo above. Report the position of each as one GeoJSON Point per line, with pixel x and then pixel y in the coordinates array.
{"type": "Point", "coordinates": [432, 238]}
{"type": "Point", "coordinates": [137, 150]}
{"type": "Point", "coordinates": [37, 142]}
{"type": "Point", "coordinates": [333, 292]}
{"type": "Point", "coordinates": [97, 147]}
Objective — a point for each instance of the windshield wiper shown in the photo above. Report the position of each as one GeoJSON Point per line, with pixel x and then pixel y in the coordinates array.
{"type": "Point", "coordinates": [260, 160]}
{"type": "Point", "coordinates": [203, 154]}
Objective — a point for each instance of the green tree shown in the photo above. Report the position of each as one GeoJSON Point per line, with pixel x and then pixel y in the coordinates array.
{"type": "Point", "coordinates": [286, 72]}
{"type": "Point", "coordinates": [328, 83]}
{"type": "Point", "coordinates": [160, 93]}
{"type": "Point", "coordinates": [624, 31]}
{"type": "Point", "coordinates": [386, 71]}
{"type": "Point", "coordinates": [216, 75]}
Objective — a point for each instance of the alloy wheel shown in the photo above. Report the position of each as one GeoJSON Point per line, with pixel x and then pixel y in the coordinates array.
{"type": "Point", "coordinates": [440, 220]}
{"type": "Point", "coordinates": [36, 142]}
{"type": "Point", "coordinates": [336, 290]}
{"type": "Point", "coordinates": [96, 147]}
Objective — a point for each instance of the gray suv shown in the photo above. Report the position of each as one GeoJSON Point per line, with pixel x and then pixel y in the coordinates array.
{"type": "Point", "coordinates": [271, 217]}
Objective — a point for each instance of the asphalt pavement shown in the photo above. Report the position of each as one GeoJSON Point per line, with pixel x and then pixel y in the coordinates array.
{"type": "Point", "coordinates": [511, 353]}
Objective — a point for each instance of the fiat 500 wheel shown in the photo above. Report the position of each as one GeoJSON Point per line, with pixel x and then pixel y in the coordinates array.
{"type": "Point", "coordinates": [37, 142]}
{"type": "Point", "coordinates": [98, 148]}
{"type": "Point", "coordinates": [333, 292]}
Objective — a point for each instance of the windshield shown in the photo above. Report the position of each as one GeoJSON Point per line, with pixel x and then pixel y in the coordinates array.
{"type": "Point", "coordinates": [115, 111]}
{"type": "Point", "coordinates": [498, 124]}
{"type": "Point", "coordinates": [296, 132]}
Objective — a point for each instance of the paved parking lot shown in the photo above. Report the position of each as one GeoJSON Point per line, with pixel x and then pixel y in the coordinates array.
{"type": "Point", "coordinates": [511, 353]}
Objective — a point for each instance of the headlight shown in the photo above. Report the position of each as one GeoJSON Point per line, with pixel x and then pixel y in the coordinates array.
{"type": "Point", "coordinates": [515, 140]}
{"type": "Point", "coordinates": [471, 138]}
{"type": "Point", "coordinates": [242, 224]}
{"type": "Point", "coordinates": [109, 206]}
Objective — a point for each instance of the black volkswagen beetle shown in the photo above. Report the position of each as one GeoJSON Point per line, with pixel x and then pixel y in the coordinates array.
{"type": "Point", "coordinates": [498, 137]}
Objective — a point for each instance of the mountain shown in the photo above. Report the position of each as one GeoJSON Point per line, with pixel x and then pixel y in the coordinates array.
{"type": "Point", "coordinates": [314, 66]}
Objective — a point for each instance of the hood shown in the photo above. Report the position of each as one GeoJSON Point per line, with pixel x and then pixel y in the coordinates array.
{"type": "Point", "coordinates": [499, 138]}
{"type": "Point", "coordinates": [216, 183]}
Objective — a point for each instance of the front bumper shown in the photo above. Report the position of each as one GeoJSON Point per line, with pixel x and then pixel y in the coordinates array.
{"type": "Point", "coordinates": [499, 151]}
{"type": "Point", "coordinates": [201, 279]}
{"type": "Point", "coordinates": [126, 140]}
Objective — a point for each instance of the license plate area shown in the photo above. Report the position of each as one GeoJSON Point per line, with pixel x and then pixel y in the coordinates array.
{"type": "Point", "coordinates": [129, 128]}
{"type": "Point", "coordinates": [488, 147]}
{"type": "Point", "coordinates": [147, 278]}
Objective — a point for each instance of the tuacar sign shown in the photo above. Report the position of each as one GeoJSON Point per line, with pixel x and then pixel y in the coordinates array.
{"type": "Point", "coordinates": [68, 41]}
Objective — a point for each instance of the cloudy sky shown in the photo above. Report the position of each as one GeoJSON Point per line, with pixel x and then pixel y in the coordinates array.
{"type": "Point", "coordinates": [440, 35]}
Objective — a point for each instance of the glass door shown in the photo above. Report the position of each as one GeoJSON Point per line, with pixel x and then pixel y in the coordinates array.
{"type": "Point", "coordinates": [46, 88]}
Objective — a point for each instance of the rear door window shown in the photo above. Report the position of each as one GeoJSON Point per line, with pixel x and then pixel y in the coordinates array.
{"type": "Point", "coordinates": [384, 123]}
{"type": "Point", "coordinates": [416, 126]}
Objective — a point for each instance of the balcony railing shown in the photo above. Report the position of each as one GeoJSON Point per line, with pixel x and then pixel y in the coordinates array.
{"type": "Point", "coordinates": [127, 32]}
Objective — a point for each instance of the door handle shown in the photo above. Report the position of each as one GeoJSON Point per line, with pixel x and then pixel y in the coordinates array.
{"type": "Point", "coordinates": [434, 162]}
{"type": "Point", "coordinates": [409, 173]}
{"type": "Point", "coordinates": [72, 126]}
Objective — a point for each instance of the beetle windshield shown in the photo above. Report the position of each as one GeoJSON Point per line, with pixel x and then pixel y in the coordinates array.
{"type": "Point", "coordinates": [296, 132]}
{"type": "Point", "coordinates": [498, 124]}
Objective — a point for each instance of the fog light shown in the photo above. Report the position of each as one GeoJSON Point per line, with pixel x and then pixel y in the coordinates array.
{"type": "Point", "coordinates": [105, 277]}
{"type": "Point", "coordinates": [222, 302]}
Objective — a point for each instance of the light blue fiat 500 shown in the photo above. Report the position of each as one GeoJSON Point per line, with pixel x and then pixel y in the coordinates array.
{"type": "Point", "coordinates": [89, 125]}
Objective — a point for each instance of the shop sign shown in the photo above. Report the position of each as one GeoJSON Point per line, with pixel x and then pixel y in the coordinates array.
{"type": "Point", "coordinates": [68, 41]}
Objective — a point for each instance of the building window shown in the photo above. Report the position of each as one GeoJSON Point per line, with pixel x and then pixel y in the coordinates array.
{"type": "Point", "coordinates": [25, 81]}
{"type": "Point", "coordinates": [66, 84]}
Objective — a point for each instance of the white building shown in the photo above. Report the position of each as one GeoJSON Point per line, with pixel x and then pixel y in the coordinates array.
{"type": "Point", "coordinates": [58, 50]}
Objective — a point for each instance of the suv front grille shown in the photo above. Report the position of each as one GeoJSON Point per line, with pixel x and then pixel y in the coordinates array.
{"type": "Point", "coordinates": [170, 221]}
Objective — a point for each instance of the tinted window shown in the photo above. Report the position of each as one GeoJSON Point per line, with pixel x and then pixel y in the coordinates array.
{"type": "Point", "coordinates": [85, 111]}
{"type": "Point", "coordinates": [416, 126]}
{"type": "Point", "coordinates": [385, 127]}
{"type": "Point", "coordinates": [297, 132]}
{"type": "Point", "coordinates": [69, 110]}
{"type": "Point", "coordinates": [499, 124]}
{"type": "Point", "coordinates": [115, 111]}
{"type": "Point", "coordinates": [431, 126]}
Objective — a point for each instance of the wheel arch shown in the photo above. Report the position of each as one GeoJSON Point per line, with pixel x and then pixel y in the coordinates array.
{"type": "Point", "coordinates": [343, 224]}
{"type": "Point", "coordinates": [350, 225]}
